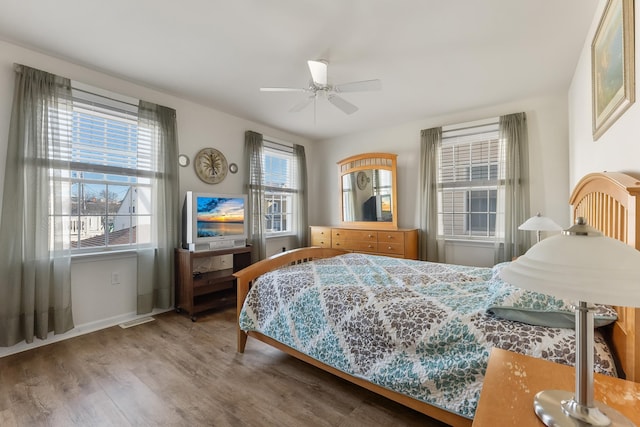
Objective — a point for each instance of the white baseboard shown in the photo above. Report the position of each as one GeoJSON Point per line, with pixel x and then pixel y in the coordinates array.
{"type": "Point", "coordinates": [77, 331]}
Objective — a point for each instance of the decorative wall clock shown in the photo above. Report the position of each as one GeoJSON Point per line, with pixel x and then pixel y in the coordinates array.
{"type": "Point", "coordinates": [362, 180]}
{"type": "Point", "coordinates": [210, 165]}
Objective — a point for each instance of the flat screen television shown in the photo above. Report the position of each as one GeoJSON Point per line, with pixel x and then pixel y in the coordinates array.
{"type": "Point", "coordinates": [377, 208]}
{"type": "Point", "coordinates": [214, 221]}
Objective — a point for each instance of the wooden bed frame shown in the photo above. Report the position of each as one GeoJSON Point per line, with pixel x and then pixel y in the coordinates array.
{"type": "Point", "coordinates": [609, 202]}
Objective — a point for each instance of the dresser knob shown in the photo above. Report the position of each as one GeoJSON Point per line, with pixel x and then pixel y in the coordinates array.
{"type": "Point", "coordinates": [370, 246]}
{"type": "Point", "coordinates": [389, 248]}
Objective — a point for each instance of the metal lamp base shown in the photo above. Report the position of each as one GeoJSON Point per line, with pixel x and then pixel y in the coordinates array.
{"type": "Point", "coordinates": [553, 407]}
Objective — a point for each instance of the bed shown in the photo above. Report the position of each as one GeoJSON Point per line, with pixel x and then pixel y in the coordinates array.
{"type": "Point", "coordinates": [443, 387]}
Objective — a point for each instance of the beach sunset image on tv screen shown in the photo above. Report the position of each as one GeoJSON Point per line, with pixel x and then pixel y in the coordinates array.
{"type": "Point", "coordinates": [220, 216]}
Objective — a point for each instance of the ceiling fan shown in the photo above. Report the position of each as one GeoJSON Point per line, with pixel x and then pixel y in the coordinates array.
{"type": "Point", "coordinates": [319, 87]}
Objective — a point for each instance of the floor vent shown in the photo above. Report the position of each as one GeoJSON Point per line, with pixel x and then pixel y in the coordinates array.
{"type": "Point", "coordinates": [136, 322]}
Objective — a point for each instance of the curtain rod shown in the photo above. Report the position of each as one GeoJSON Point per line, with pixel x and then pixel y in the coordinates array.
{"type": "Point", "coordinates": [101, 96]}
{"type": "Point", "coordinates": [285, 148]}
{"type": "Point", "coordinates": [470, 128]}
{"type": "Point", "coordinates": [468, 134]}
{"type": "Point", "coordinates": [268, 139]}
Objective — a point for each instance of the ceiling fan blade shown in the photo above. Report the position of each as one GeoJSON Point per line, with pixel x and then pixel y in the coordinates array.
{"type": "Point", "coordinates": [318, 71]}
{"type": "Point", "coordinates": [342, 104]}
{"type": "Point", "coordinates": [301, 105]}
{"type": "Point", "coordinates": [361, 86]}
{"type": "Point", "coordinates": [282, 89]}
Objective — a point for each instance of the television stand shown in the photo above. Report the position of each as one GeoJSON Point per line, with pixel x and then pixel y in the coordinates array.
{"type": "Point", "coordinates": [204, 279]}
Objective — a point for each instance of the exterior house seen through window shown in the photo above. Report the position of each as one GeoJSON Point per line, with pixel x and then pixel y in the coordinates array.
{"type": "Point", "coordinates": [470, 165]}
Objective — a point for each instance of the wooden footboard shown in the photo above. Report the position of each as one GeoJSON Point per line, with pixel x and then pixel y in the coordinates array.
{"type": "Point", "coordinates": [246, 276]}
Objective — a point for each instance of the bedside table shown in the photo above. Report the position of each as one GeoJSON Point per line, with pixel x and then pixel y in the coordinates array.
{"type": "Point", "coordinates": [512, 380]}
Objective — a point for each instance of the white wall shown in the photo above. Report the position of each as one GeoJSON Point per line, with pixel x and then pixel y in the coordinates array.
{"type": "Point", "coordinates": [618, 149]}
{"type": "Point", "coordinates": [548, 149]}
{"type": "Point", "coordinates": [96, 302]}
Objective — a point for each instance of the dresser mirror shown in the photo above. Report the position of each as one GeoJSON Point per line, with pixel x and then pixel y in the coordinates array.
{"type": "Point", "coordinates": [368, 191]}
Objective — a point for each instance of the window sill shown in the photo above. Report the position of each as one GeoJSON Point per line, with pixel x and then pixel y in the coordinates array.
{"type": "Point", "coordinates": [279, 235]}
{"type": "Point", "coordinates": [101, 256]}
{"type": "Point", "coordinates": [471, 242]}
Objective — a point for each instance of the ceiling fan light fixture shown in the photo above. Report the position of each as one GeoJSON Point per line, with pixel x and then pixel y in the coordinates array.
{"type": "Point", "coordinates": [318, 69]}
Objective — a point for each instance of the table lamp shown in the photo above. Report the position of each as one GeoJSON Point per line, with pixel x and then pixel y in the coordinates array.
{"type": "Point", "coordinates": [539, 223]}
{"type": "Point", "coordinates": [582, 265]}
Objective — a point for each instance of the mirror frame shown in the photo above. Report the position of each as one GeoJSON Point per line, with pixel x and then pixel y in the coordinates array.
{"type": "Point", "coordinates": [368, 161]}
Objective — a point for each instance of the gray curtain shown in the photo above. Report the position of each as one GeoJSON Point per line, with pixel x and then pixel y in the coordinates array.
{"type": "Point", "coordinates": [430, 141]}
{"type": "Point", "coordinates": [156, 261]}
{"type": "Point", "coordinates": [35, 283]}
{"type": "Point", "coordinates": [253, 146]}
{"type": "Point", "coordinates": [515, 189]}
{"type": "Point", "coordinates": [302, 203]}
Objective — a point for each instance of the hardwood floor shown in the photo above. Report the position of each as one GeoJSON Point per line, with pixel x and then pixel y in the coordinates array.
{"type": "Point", "coordinates": [173, 372]}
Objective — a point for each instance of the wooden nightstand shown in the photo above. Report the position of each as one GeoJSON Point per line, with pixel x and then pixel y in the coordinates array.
{"type": "Point", "coordinates": [512, 380]}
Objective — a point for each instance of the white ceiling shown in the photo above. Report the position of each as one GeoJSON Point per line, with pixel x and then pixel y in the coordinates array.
{"type": "Point", "coordinates": [434, 57]}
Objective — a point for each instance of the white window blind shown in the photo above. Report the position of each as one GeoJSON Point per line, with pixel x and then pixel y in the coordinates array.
{"type": "Point", "coordinates": [470, 166]}
{"type": "Point", "coordinates": [279, 182]}
{"type": "Point", "coordinates": [109, 165]}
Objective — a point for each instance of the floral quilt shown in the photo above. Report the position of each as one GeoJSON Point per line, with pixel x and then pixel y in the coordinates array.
{"type": "Point", "coordinates": [419, 328]}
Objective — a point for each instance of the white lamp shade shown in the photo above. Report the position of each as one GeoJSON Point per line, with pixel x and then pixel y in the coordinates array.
{"type": "Point", "coordinates": [594, 269]}
{"type": "Point", "coordinates": [539, 223]}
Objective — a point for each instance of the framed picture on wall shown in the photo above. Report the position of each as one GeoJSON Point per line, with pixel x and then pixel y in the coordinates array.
{"type": "Point", "coordinates": [612, 65]}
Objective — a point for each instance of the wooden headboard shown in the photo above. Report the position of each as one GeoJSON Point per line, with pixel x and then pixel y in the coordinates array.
{"type": "Point", "coordinates": [610, 202]}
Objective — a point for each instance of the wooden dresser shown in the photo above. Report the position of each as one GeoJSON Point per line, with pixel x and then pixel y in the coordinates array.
{"type": "Point", "coordinates": [401, 243]}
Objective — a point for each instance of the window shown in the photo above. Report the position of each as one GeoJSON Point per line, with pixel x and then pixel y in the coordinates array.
{"type": "Point", "coordinates": [470, 163]}
{"type": "Point", "coordinates": [279, 169]}
{"type": "Point", "coordinates": [109, 178]}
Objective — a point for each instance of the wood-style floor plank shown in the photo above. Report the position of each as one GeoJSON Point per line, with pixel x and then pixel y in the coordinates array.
{"type": "Point", "coordinates": [174, 372]}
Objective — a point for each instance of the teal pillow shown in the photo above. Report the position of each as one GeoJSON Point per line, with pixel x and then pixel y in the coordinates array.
{"type": "Point", "coordinates": [512, 303]}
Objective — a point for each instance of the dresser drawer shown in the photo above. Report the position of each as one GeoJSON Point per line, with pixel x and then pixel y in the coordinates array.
{"type": "Point", "coordinates": [361, 235]}
{"type": "Point", "coordinates": [321, 236]}
{"type": "Point", "coordinates": [393, 249]}
{"type": "Point", "coordinates": [391, 237]}
{"type": "Point", "coordinates": [355, 245]}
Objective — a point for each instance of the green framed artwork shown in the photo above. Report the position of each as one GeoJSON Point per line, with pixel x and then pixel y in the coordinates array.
{"type": "Point", "coordinates": [612, 65]}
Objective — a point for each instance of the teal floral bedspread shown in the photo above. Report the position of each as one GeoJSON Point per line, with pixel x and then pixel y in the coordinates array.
{"type": "Point", "coordinates": [418, 328]}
